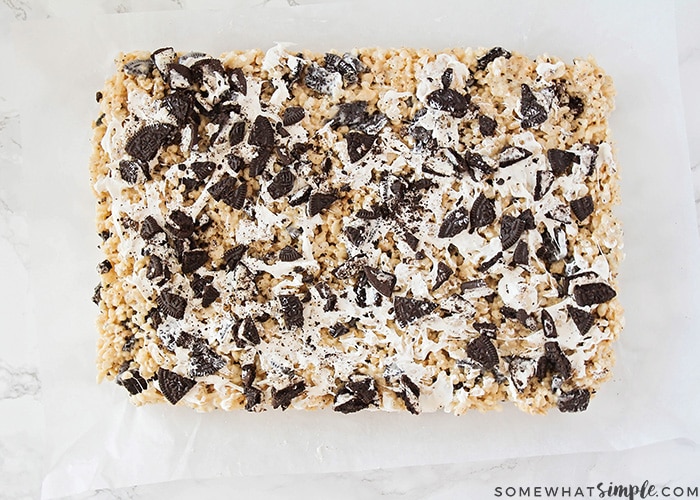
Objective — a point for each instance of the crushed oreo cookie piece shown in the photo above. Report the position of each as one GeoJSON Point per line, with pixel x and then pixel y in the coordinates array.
{"type": "Point", "coordinates": [319, 202]}
{"type": "Point", "coordinates": [209, 295]}
{"type": "Point", "coordinates": [174, 386]}
{"type": "Point", "coordinates": [132, 381]}
{"type": "Point", "coordinates": [233, 256]}
{"type": "Point", "coordinates": [350, 114]}
{"type": "Point", "coordinates": [181, 226]}
{"type": "Point", "coordinates": [407, 310]}
{"type": "Point", "coordinates": [146, 142]}
{"type": "Point", "coordinates": [289, 254]}
{"type": "Point", "coordinates": [573, 401]}
{"type": "Point", "coordinates": [582, 319]}
{"type": "Point", "coordinates": [409, 393]}
{"type": "Point", "coordinates": [248, 332]}
{"type": "Point", "coordinates": [551, 251]}
{"type": "Point", "coordinates": [236, 134]}
{"type": "Point", "coordinates": [292, 115]}
{"type": "Point", "coordinates": [223, 189]}
{"type": "Point", "coordinates": [548, 326]}
{"type": "Point", "coordinates": [487, 125]}
{"type": "Point", "coordinates": [582, 207]}
{"type": "Point", "coordinates": [521, 254]}
{"type": "Point", "coordinates": [511, 229]}
{"type": "Point", "coordinates": [476, 161]}
{"type": "Point", "coordinates": [590, 294]}
{"type": "Point", "coordinates": [357, 394]}
{"type": "Point", "coordinates": [511, 155]}
{"type": "Point", "coordinates": [283, 397]}
{"type": "Point", "coordinates": [193, 260]}
{"type": "Point", "coordinates": [180, 76]}
{"type": "Point", "coordinates": [203, 169]}
{"type": "Point", "coordinates": [561, 161]}
{"type": "Point", "coordinates": [455, 222]}
{"type": "Point", "coordinates": [338, 330]}
{"type": "Point", "coordinates": [172, 304]}
{"type": "Point", "coordinates": [321, 80]}
{"type": "Point", "coordinates": [259, 162]}
{"type": "Point", "coordinates": [486, 328]}
{"type": "Point", "coordinates": [520, 370]}
{"type": "Point", "coordinates": [292, 310]}
{"type": "Point", "coordinates": [381, 281]}
{"type": "Point", "coordinates": [544, 180]}
{"type": "Point", "coordinates": [553, 361]}
{"type": "Point", "coordinates": [204, 360]}
{"type": "Point", "coordinates": [238, 81]}
{"type": "Point", "coordinates": [411, 240]}
{"type": "Point", "coordinates": [139, 67]}
{"type": "Point", "coordinates": [532, 112]}
{"type": "Point", "coordinates": [575, 105]}
{"type": "Point", "coordinates": [359, 144]}
{"type": "Point", "coordinates": [446, 78]}
{"type": "Point", "coordinates": [483, 212]}
{"type": "Point", "coordinates": [104, 267]}
{"type": "Point", "coordinates": [526, 319]}
{"type": "Point", "coordinates": [281, 184]}
{"type": "Point", "coordinates": [482, 350]}
{"type": "Point", "coordinates": [129, 170]}
{"type": "Point", "coordinates": [450, 101]}
{"type": "Point", "coordinates": [155, 267]}
{"type": "Point", "coordinates": [262, 133]}
{"type": "Point", "coordinates": [356, 234]}
{"type": "Point", "coordinates": [491, 56]}
{"type": "Point", "coordinates": [442, 275]}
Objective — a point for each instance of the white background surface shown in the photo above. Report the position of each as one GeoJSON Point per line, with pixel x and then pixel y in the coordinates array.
{"type": "Point", "coordinates": [22, 443]}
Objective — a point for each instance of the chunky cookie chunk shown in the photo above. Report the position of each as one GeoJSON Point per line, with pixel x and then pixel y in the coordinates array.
{"type": "Point", "coordinates": [379, 229]}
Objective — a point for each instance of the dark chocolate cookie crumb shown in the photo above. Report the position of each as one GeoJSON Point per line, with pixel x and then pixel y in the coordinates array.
{"type": "Point", "coordinates": [139, 67]}
{"type": "Point", "coordinates": [491, 56]}
{"type": "Point", "coordinates": [172, 304]}
{"type": "Point", "coordinates": [583, 207]}
{"type": "Point", "coordinates": [283, 397]}
{"type": "Point", "coordinates": [409, 393]}
{"type": "Point", "coordinates": [483, 212]}
{"type": "Point", "coordinates": [488, 264]}
{"type": "Point", "coordinates": [442, 275]}
{"type": "Point", "coordinates": [281, 184]}
{"type": "Point", "coordinates": [262, 133]}
{"type": "Point", "coordinates": [182, 225]}
{"type": "Point", "coordinates": [173, 386]}
{"type": "Point", "coordinates": [233, 256]}
{"type": "Point", "coordinates": [511, 155]}
{"type": "Point", "coordinates": [455, 222]}
{"type": "Point", "coordinates": [407, 310]}
{"type": "Point", "coordinates": [338, 330]}
{"type": "Point", "coordinates": [248, 332]}
{"type": "Point", "coordinates": [292, 115]}
{"type": "Point", "coordinates": [450, 101]}
{"type": "Point", "coordinates": [237, 133]}
{"type": "Point", "coordinates": [532, 112]}
{"type": "Point", "coordinates": [193, 260]}
{"type": "Point", "coordinates": [487, 125]}
{"type": "Point", "coordinates": [259, 162]}
{"type": "Point", "coordinates": [359, 144]}
{"type": "Point", "coordinates": [482, 350]}
{"type": "Point", "coordinates": [575, 400]}
{"type": "Point", "coordinates": [553, 360]}
{"type": "Point", "coordinates": [319, 202]}
{"type": "Point", "coordinates": [104, 267]}
{"type": "Point", "coordinates": [238, 81]}
{"type": "Point", "coordinates": [582, 319]}
{"type": "Point", "coordinates": [521, 254]}
{"type": "Point", "coordinates": [511, 229]}
{"type": "Point", "coordinates": [237, 200]}
{"type": "Point", "coordinates": [204, 360]}
{"type": "Point", "coordinates": [357, 394]}
{"type": "Point", "coordinates": [289, 254]}
{"type": "Point", "coordinates": [146, 142]}
{"type": "Point", "coordinates": [129, 170]}
{"type": "Point", "coordinates": [292, 310]}
{"type": "Point", "coordinates": [590, 294]}
{"type": "Point", "coordinates": [381, 281]}
{"type": "Point", "coordinates": [132, 381]}
{"type": "Point", "coordinates": [209, 295]}
{"type": "Point", "coordinates": [562, 161]}
{"type": "Point", "coordinates": [548, 326]}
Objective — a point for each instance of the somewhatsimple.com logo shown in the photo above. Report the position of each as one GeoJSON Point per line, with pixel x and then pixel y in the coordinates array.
{"type": "Point", "coordinates": [600, 490]}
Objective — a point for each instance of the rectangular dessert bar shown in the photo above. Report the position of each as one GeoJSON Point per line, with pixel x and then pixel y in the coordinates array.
{"type": "Point", "coordinates": [383, 229]}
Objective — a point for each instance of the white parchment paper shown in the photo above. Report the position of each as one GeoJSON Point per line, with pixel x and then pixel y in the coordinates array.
{"type": "Point", "coordinates": [98, 440]}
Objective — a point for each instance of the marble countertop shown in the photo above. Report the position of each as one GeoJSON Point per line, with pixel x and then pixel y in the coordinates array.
{"type": "Point", "coordinates": [672, 464]}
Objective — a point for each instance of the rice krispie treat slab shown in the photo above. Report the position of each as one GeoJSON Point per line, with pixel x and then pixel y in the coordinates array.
{"type": "Point", "coordinates": [382, 229]}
